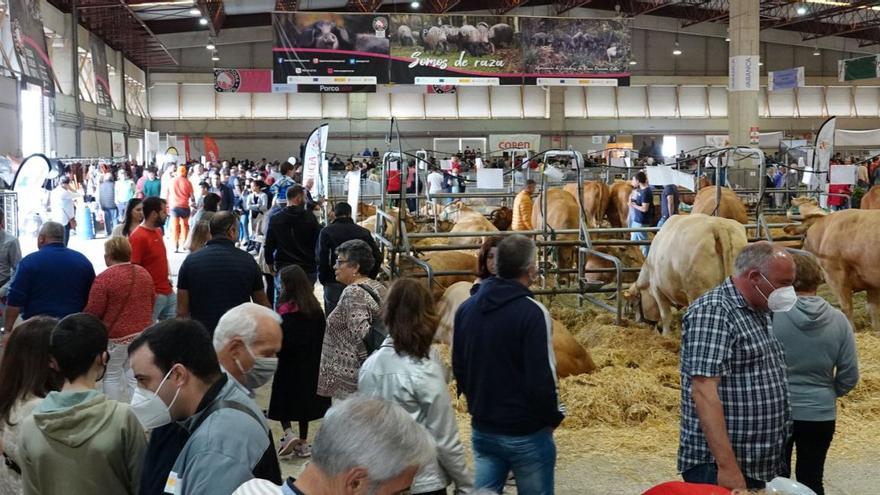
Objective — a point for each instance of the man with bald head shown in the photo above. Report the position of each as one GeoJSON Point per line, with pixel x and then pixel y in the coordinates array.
{"type": "Point", "coordinates": [36, 288]}
{"type": "Point", "coordinates": [735, 413]}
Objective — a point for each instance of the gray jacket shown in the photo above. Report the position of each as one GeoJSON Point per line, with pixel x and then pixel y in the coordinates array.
{"type": "Point", "coordinates": [820, 353]}
{"type": "Point", "coordinates": [419, 386]}
{"type": "Point", "coordinates": [222, 452]}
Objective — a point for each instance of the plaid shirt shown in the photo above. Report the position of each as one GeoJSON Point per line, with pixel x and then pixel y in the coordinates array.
{"type": "Point", "coordinates": [723, 337]}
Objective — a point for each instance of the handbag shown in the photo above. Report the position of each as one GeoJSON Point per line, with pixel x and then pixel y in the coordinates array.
{"type": "Point", "coordinates": [378, 332]}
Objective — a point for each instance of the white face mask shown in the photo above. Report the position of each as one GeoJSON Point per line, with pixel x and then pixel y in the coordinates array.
{"type": "Point", "coordinates": [781, 300]}
{"type": "Point", "coordinates": [149, 408]}
{"type": "Point", "coordinates": [262, 371]}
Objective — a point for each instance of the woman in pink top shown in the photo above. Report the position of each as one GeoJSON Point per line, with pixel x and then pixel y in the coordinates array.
{"type": "Point", "coordinates": [122, 296]}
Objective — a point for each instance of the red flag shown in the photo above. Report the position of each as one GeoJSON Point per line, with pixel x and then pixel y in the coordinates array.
{"type": "Point", "coordinates": [186, 147]}
{"type": "Point", "coordinates": [212, 152]}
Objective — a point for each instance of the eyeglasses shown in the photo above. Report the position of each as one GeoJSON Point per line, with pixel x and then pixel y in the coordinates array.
{"type": "Point", "coordinates": [340, 262]}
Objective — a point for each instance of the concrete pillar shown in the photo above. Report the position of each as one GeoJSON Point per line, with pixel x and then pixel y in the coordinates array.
{"type": "Point", "coordinates": [557, 116]}
{"type": "Point", "coordinates": [742, 106]}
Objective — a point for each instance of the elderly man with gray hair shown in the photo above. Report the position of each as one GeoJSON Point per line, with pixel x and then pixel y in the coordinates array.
{"type": "Point", "coordinates": [246, 339]}
{"type": "Point", "coordinates": [35, 288]}
{"type": "Point", "coordinates": [365, 445]}
{"type": "Point", "coordinates": [504, 363]}
{"type": "Point", "coordinates": [735, 413]}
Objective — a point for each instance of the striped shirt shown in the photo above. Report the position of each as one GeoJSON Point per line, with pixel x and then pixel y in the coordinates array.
{"type": "Point", "coordinates": [723, 337]}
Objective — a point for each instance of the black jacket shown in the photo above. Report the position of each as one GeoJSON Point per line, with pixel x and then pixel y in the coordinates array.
{"type": "Point", "coordinates": [292, 238]}
{"type": "Point", "coordinates": [227, 198]}
{"type": "Point", "coordinates": [503, 360]}
{"type": "Point", "coordinates": [341, 230]}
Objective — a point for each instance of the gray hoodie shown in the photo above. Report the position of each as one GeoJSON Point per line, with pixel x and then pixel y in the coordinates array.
{"type": "Point", "coordinates": [820, 353]}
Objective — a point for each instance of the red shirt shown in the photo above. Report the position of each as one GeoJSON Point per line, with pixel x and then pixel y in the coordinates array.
{"type": "Point", "coordinates": [120, 297]}
{"type": "Point", "coordinates": [148, 250]}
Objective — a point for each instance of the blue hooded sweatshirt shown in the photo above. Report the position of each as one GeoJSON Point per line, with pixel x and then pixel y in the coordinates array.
{"type": "Point", "coordinates": [502, 357]}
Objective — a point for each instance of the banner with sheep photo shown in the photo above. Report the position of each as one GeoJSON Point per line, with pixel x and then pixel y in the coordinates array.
{"type": "Point", "coordinates": [328, 52]}
{"type": "Point", "coordinates": [455, 49]}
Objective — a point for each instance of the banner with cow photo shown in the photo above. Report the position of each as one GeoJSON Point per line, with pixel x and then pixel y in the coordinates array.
{"type": "Point", "coordinates": [334, 52]}
{"type": "Point", "coordinates": [29, 39]}
{"type": "Point", "coordinates": [103, 101]}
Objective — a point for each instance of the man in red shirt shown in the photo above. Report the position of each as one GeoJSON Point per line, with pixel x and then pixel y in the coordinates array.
{"type": "Point", "coordinates": [148, 251]}
{"type": "Point", "coordinates": [180, 195]}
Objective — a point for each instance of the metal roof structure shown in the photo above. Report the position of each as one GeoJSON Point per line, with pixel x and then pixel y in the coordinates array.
{"type": "Point", "coordinates": [131, 26]}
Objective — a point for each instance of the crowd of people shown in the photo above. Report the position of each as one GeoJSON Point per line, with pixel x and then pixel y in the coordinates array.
{"type": "Point", "coordinates": [128, 383]}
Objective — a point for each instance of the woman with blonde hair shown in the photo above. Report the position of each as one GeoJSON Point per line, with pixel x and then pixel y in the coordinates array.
{"type": "Point", "coordinates": [405, 370]}
{"type": "Point", "coordinates": [122, 297]}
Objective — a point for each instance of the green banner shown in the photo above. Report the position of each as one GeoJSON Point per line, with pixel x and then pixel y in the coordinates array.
{"type": "Point", "coordinates": [858, 68]}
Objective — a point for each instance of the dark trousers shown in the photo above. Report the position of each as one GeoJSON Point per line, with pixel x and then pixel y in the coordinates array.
{"type": "Point", "coordinates": [332, 292]}
{"type": "Point", "coordinates": [708, 474]}
{"type": "Point", "coordinates": [812, 440]}
{"type": "Point", "coordinates": [66, 234]}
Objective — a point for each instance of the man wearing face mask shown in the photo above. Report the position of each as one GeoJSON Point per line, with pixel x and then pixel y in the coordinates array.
{"type": "Point", "coordinates": [180, 379]}
{"type": "Point", "coordinates": [735, 412]}
{"type": "Point", "coordinates": [511, 390]}
{"type": "Point", "coordinates": [78, 440]}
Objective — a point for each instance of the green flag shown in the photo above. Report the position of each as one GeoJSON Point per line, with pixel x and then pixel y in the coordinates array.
{"type": "Point", "coordinates": [858, 68]}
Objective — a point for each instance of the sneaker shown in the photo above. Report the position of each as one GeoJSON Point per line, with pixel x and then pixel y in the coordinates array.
{"type": "Point", "coordinates": [303, 449]}
{"type": "Point", "coordinates": [288, 444]}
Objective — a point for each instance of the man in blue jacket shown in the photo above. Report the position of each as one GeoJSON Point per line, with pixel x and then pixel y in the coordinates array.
{"type": "Point", "coordinates": [503, 360]}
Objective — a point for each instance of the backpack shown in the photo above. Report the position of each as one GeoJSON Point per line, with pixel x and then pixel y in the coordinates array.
{"type": "Point", "coordinates": [377, 333]}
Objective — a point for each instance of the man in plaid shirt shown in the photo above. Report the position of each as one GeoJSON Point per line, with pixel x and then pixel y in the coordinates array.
{"type": "Point", "coordinates": [735, 414]}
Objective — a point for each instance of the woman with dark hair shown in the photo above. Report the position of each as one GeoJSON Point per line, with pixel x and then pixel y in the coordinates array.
{"type": "Point", "coordinates": [486, 261]}
{"type": "Point", "coordinates": [405, 370]}
{"type": "Point", "coordinates": [200, 233]}
{"type": "Point", "coordinates": [134, 215]}
{"type": "Point", "coordinates": [25, 379]}
{"type": "Point", "coordinates": [294, 396]}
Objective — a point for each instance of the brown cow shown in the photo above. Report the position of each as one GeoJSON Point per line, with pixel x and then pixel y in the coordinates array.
{"type": "Point", "coordinates": [501, 218]}
{"type": "Point", "coordinates": [871, 199]}
{"type": "Point", "coordinates": [618, 204]}
{"type": "Point", "coordinates": [732, 206]}
{"type": "Point", "coordinates": [562, 215]}
{"type": "Point", "coordinates": [689, 256]}
{"type": "Point", "coordinates": [629, 256]}
{"type": "Point", "coordinates": [571, 357]}
{"type": "Point", "coordinates": [595, 200]}
{"type": "Point", "coordinates": [390, 225]}
{"type": "Point", "coordinates": [442, 261]}
{"type": "Point", "coordinates": [845, 242]}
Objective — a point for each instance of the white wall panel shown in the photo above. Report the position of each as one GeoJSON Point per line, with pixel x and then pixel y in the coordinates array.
{"type": "Point", "coordinates": [10, 140]}
{"type": "Point", "coordinates": [378, 106]}
{"type": "Point", "coordinates": [473, 102]}
{"type": "Point", "coordinates": [601, 102]}
{"type": "Point", "coordinates": [781, 103]}
{"type": "Point", "coordinates": [692, 101]}
{"type": "Point", "coordinates": [575, 103]}
{"type": "Point", "coordinates": [197, 101]}
{"type": "Point", "coordinates": [270, 105]}
{"type": "Point", "coordinates": [762, 103]}
{"type": "Point", "coordinates": [164, 101]}
{"type": "Point", "coordinates": [661, 101]}
{"type": "Point", "coordinates": [506, 102]}
{"type": "Point", "coordinates": [718, 101]}
{"type": "Point", "coordinates": [631, 101]}
{"type": "Point", "coordinates": [866, 101]}
{"type": "Point", "coordinates": [407, 105]}
{"type": "Point", "coordinates": [441, 106]}
{"type": "Point", "coordinates": [234, 106]}
{"type": "Point", "coordinates": [535, 102]}
{"type": "Point", "coordinates": [304, 105]}
{"type": "Point", "coordinates": [839, 100]}
{"type": "Point", "coordinates": [335, 106]}
{"type": "Point", "coordinates": [811, 101]}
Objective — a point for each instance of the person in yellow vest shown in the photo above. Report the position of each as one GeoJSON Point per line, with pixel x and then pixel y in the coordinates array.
{"type": "Point", "coordinates": [522, 207]}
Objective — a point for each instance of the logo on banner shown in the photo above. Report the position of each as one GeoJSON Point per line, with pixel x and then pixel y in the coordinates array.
{"type": "Point", "coordinates": [380, 25]}
{"type": "Point", "coordinates": [227, 80]}
{"type": "Point", "coordinates": [754, 135]}
{"type": "Point", "coordinates": [442, 89]}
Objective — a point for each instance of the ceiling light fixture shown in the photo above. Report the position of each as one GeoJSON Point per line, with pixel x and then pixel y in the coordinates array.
{"type": "Point", "coordinates": [210, 46]}
{"type": "Point", "coordinates": [215, 57]}
{"type": "Point", "coordinates": [415, 5]}
{"type": "Point", "coordinates": [816, 52]}
{"type": "Point", "coordinates": [203, 21]}
{"type": "Point", "coordinates": [727, 40]}
{"type": "Point", "coordinates": [195, 11]}
{"type": "Point", "coordinates": [801, 10]}
{"type": "Point", "coordinates": [676, 51]}
{"type": "Point", "coordinates": [633, 62]}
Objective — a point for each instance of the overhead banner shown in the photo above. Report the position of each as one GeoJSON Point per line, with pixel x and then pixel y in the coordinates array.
{"type": "Point", "coordinates": [785, 79]}
{"type": "Point", "coordinates": [117, 140]}
{"type": "Point", "coordinates": [743, 73]}
{"type": "Point", "coordinates": [151, 142]}
{"type": "Point", "coordinates": [844, 137]}
{"type": "Point", "coordinates": [102, 81]}
{"type": "Point", "coordinates": [243, 80]}
{"type": "Point", "coordinates": [30, 44]}
{"type": "Point", "coordinates": [344, 52]}
{"type": "Point", "coordinates": [314, 156]}
{"type": "Point", "coordinates": [499, 143]}
{"type": "Point", "coordinates": [853, 69]}
{"type": "Point", "coordinates": [824, 147]}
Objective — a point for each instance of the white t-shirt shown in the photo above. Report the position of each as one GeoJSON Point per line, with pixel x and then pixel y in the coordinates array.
{"type": "Point", "coordinates": [435, 182]}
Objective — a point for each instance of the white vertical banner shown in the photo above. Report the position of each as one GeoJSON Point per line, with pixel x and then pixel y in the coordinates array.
{"type": "Point", "coordinates": [354, 192]}
{"type": "Point", "coordinates": [743, 73]}
{"type": "Point", "coordinates": [151, 142]}
{"type": "Point", "coordinates": [170, 141]}
{"type": "Point", "coordinates": [314, 155]}
{"type": "Point", "coordinates": [117, 140]}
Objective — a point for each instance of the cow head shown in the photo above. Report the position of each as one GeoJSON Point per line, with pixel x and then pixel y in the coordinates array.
{"type": "Point", "coordinates": [453, 211]}
{"type": "Point", "coordinates": [642, 305]}
{"type": "Point", "coordinates": [809, 211]}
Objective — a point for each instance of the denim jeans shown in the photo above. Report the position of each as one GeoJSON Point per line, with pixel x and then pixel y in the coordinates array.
{"type": "Point", "coordinates": [531, 457]}
{"type": "Point", "coordinates": [708, 474]}
{"type": "Point", "coordinates": [119, 382]}
{"type": "Point", "coordinates": [639, 236]}
{"type": "Point", "coordinates": [109, 219]}
{"type": "Point", "coordinates": [165, 307]}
